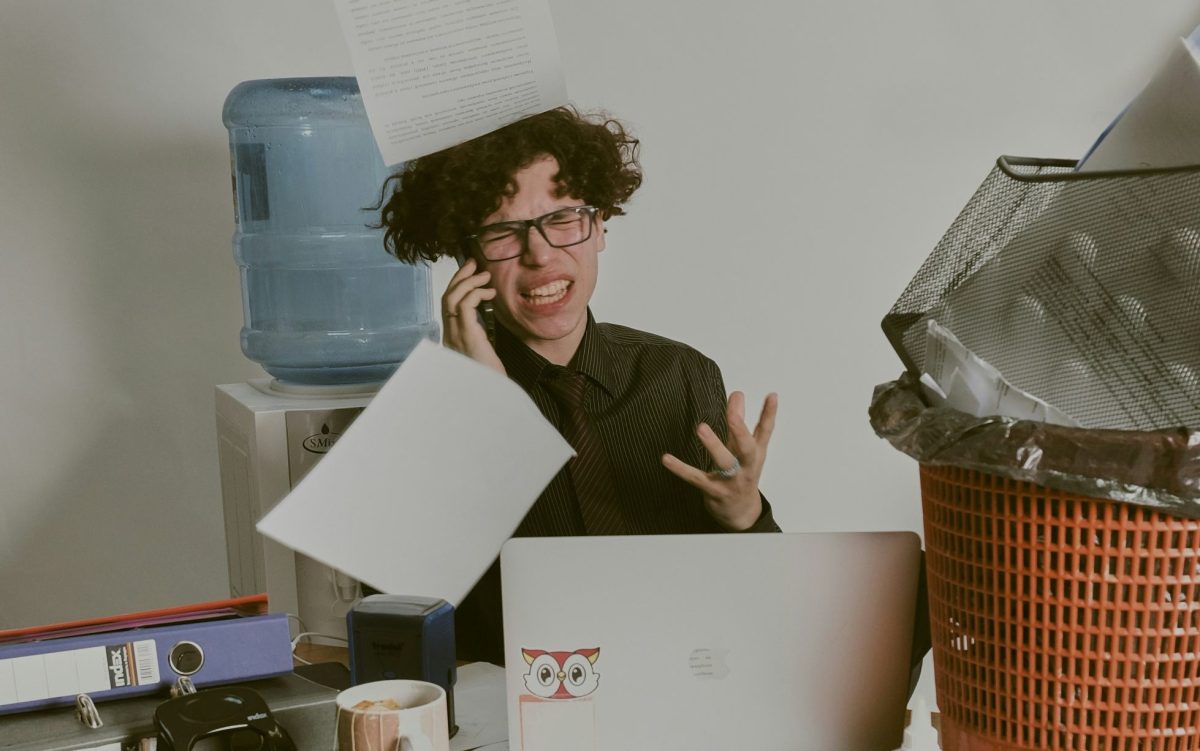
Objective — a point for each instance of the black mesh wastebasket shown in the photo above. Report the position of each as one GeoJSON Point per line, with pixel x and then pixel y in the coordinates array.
{"type": "Point", "coordinates": [1070, 282]}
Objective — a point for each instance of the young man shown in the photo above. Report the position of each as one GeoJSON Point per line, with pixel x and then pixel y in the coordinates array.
{"type": "Point", "coordinates": [660, 448]}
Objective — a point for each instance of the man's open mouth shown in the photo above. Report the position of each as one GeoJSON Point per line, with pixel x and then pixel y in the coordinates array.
{"type": "Point", "coordinates": [547, 293]}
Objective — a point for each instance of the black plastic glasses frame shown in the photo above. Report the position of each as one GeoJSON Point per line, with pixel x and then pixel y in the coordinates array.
{"type": "Point", "coordinates": [521, 227]}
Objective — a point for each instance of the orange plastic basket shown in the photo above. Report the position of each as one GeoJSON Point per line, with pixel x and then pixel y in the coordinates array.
{"type": "Point", "coordinates": [1060, 621]}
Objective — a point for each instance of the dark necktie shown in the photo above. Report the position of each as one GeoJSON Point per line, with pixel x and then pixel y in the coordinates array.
{"type": "Point", "coordinates": [589, 468]}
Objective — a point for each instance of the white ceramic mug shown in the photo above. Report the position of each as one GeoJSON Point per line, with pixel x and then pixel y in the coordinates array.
{"type": "Point", "coordinates": [392, 716]}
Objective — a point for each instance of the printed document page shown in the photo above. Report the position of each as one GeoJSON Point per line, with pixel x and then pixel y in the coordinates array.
{"type": "Point", "coordinates": [1161, 126]}
{"type": "Point", "coordinates": [435, 73]}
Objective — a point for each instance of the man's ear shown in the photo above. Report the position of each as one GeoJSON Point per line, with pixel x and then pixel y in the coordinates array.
{"type": "Point", "coordinates": [601, 230]}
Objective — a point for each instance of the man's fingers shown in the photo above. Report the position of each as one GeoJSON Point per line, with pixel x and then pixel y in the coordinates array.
{"type": "Point", "coordinates": [455, 301]}
{"type": "Point", "coordinates": [766, 421]}
{"type": "Point", "coordinates": [740, 437]}
{"type": "Point", "coordinates": [463, 330]}
{"type": "Point", "coordinates": [470, 266]}
{"type": "Point", "coordinates": [472, 299]}
{"type": "Point", "coordinates": [689, 474]}
{"type": "Point", "coordinates": [722, 456]}
{"type": "Point", "coordinates": [735, 410]}
{"type": "Point", "coordinates": [454, 288]}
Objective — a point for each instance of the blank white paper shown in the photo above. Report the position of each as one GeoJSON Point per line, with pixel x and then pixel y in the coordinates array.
{"type": "Point", "coordinates": [418, 495]}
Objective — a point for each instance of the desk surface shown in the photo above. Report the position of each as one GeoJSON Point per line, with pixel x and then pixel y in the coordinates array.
{"type": "Point", "coordinates": [313, 652]}
{"type": "Point", "coordinates": [328, 653]}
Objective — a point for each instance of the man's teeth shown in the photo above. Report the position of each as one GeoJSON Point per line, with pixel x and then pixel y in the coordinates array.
{"type": "Point", "coordinates": [548, 293]}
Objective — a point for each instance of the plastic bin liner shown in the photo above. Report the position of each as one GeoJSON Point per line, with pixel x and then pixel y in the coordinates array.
{"type": "Point", "coordinates": [1156, 468]}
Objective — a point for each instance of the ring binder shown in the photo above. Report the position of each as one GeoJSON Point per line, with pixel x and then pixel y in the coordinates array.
{"type": "Point", "coordinates": [85, 710]}
{"type": "Point", "coordinates": [182, 687]}
{"type": "Point", "coordinates": [135, 661]}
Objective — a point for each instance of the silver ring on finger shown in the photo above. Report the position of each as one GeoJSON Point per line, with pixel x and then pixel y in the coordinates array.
{"type": "Point", "coordinates": [730, 473]}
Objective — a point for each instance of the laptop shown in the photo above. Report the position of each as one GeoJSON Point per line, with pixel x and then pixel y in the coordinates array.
{"type": "Point", "coordinates": [754, 641]}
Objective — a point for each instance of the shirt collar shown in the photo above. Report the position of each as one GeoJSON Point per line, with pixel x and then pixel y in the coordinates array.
{"type": "Point", "coordinates": [527, 367]}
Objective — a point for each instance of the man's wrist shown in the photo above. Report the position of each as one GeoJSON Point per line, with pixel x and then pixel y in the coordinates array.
{"type": "Point", "coordinates": [743, 521]}
{"type": "Point", "coordinates": [766, 519]}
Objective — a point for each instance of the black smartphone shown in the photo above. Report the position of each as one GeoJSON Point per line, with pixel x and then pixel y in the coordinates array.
{"type": "Point", "coordinates": [487, 316]}
{"type": "Point", "coordinates": [485, 311]}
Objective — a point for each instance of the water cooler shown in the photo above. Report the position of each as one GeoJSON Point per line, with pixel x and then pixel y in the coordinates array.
{"type": "Point", "coordinates": [328, 314]}
{"type": "Point", "coordinates": [267, 440]}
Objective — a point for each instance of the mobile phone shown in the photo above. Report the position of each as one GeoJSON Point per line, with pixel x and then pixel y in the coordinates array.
{"type": "Point", "coordinates": [486, 312]}
{"type": "Point", "coordinates": [487, 317]}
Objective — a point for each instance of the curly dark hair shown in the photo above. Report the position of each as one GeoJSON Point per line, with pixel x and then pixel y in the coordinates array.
{"type": "Point", "coordinates": [439, 199]}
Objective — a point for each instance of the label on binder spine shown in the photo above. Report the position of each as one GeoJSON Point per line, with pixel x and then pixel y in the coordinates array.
{"type": "Point", "coordinates": [78, 671]}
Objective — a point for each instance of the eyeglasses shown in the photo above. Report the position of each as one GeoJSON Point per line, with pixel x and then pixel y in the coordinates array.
{"type": "Point", "coordinates": [561, 228]}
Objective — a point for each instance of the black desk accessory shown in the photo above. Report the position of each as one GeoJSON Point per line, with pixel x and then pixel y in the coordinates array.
{"type": "Point", "coordinates": [403, 637]}
{"type": "Point", "coordinates": [235, 715]}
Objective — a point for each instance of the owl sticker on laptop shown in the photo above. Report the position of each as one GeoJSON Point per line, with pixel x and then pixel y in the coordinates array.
{"type": "Point", "coordinates": [561, 675]}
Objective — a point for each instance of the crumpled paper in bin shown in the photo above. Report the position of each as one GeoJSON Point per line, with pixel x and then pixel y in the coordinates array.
{"type": "Point", "coordinates": [1158, 468]}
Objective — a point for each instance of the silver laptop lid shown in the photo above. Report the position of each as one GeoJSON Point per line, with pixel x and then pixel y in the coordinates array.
{"type": "Point", "coordinates": [757, 641]}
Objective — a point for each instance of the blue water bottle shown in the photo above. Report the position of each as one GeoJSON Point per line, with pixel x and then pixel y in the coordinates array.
{"type": "Point", "coordinates": [323, 303]}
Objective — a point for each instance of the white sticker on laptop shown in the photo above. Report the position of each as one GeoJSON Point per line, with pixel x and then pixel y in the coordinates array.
{"type": "Point", "coordinates": [561, 675]}
{"type": "Point", "coordinates": [558, 712]}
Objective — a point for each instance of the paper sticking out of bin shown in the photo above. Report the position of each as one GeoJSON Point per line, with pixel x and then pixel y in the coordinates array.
{"type": "Point", "coordinates": [1161, 126]}
{"type": "Point", "coordinates": [957, 377]}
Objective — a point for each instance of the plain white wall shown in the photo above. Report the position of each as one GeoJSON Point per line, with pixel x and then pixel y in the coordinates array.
{"type": "Point", "coordinates": [801, 160]}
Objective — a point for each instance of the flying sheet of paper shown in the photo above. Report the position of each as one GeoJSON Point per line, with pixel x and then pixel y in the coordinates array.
{"type": "Point", "coordinates": [435, 73]}
{"type": "Point", "coordinates": [1161, 126]}
{"type": "Point", "coordinates": [418, 495]}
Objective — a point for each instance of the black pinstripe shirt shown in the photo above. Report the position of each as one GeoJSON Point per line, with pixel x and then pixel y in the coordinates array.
{"type": "Point", "coordinates": [645, 396]}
